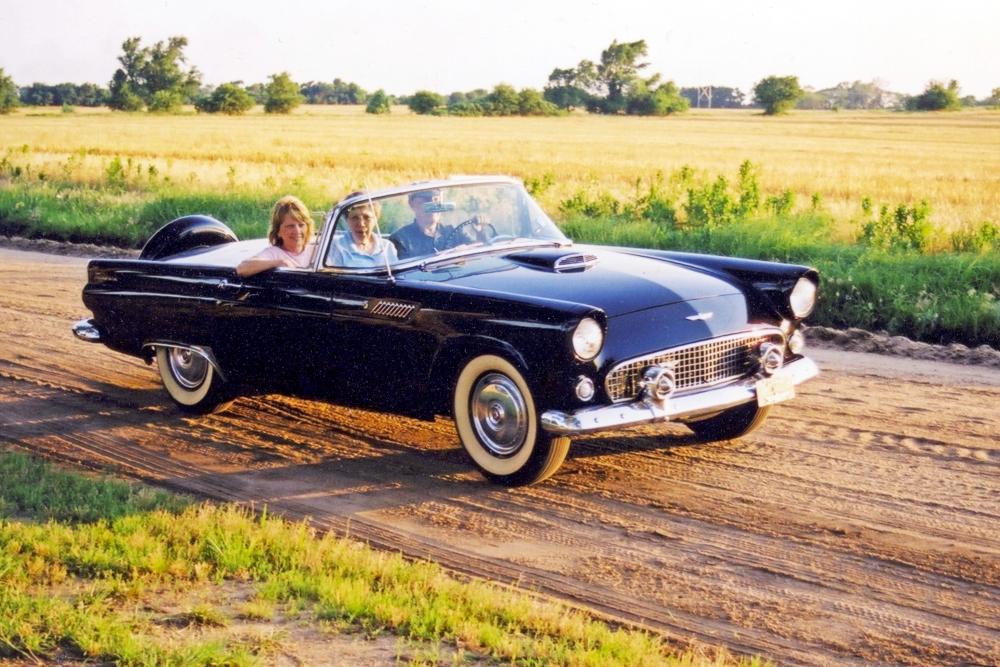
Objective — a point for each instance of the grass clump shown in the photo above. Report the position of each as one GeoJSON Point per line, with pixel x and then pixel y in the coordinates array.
{"type": "Point", "coordinates": [34, 488]}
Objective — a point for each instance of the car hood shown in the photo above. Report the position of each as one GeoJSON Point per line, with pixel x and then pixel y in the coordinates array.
{"type": "Point", "coordinates": [615, 282]}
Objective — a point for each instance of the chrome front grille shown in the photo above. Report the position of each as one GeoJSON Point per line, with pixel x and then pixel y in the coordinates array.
{"type": "Point", "coordinates": [696, 366]}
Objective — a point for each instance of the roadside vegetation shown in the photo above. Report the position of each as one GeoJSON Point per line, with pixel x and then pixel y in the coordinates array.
{"type": "Point", "coordinates": [907, 242]}
{"type": "Point", "coordinates": [100, 570]}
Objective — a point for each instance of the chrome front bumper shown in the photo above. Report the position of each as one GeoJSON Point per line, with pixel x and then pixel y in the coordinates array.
{"type": "Point", "coordinates": [645, 411]}
{"type": "Point", "coordinates": [85, 330]}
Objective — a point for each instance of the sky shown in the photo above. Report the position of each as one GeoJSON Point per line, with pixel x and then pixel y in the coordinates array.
{"type": "Point", "coordinates": [448, 45]}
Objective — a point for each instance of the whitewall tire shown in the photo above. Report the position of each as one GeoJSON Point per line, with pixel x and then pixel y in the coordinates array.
{"type": "Point", "coordinates": [190, 380]}
{"type": "Point", "coordinates": [497, 423]}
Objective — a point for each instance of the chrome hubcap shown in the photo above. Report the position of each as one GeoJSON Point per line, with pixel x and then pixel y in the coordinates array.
{"type": "Point", "coordinates": [499, 414]}
{"type": "Point", "coordinates": [188, 368]}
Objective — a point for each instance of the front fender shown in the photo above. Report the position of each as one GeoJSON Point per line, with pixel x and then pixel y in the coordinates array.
{"type": "Point", "coordinates": [773, 281]}
{"type": "Point", "coordinates": [452, 356]}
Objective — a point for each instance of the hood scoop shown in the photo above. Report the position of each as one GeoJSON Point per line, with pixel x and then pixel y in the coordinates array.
{"type": "Point", "coordinates": [559, 260]}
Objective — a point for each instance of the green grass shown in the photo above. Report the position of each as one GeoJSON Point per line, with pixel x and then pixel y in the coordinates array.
{"type": "Point", "coordinates": [941, 297]}
{"type": "Point", "coordinates": [79, 584]}
{"type": "Point", "coordinates": [126, 218]}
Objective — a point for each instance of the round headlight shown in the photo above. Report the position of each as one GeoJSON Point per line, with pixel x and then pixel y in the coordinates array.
{"type": "Point", "coordinates": [587, 339]}
{"type": "Point", "coordinates": [803, 297]}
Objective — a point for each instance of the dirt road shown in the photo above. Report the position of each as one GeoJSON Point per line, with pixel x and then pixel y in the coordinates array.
{"type": "Point", "coordinates": [860, 525]}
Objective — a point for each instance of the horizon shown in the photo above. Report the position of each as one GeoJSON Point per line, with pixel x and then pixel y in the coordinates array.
{"type": "Point", "coordinates": [463, 47]}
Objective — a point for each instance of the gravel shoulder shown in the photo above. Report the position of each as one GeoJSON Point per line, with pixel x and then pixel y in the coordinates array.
{"type": "Point", "coordinates": [861, 525]}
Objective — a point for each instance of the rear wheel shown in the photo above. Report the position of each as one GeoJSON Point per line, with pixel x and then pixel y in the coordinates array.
{"type": "Point", "coordinates": [731, 423]}
{"type": "Point", "coordinates": [191, 381]}
{"type": "Point", "coordinates": [497, 423]}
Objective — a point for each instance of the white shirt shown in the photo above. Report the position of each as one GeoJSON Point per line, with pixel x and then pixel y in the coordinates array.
{"type": "Point", "coordinates": [302, 260]}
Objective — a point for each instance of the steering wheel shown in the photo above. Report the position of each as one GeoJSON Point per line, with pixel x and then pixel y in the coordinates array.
{"type": "Point", "coordinates": [463, 232]}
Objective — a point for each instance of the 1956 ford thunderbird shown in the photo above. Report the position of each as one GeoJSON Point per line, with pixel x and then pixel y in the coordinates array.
{"type": "Point", "coordinates": [524, 338]}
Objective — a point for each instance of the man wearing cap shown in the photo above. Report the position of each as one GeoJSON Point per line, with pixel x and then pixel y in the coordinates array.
{"type": "Point", "coordinates": [426, 234]}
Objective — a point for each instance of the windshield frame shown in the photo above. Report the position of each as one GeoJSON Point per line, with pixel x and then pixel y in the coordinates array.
{"type": "Point", "coordinates": [451, 254]}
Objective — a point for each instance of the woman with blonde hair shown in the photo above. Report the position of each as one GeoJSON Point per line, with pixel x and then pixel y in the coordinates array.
{"type": "Point", "coordinates": [290, 235]}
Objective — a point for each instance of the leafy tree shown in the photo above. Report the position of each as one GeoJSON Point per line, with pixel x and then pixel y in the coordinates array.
{"type": "Point", "coordinates": [9, 93]}
{"type": "Point", "coordinates": [144, 72]}
{"type": "Point", "coordinates": [777, 94]}
{"type": "Point", "coordinates": [568, 88]}
{"type": "Point", "coordinates": [121, 95]}
{"type": "Point", "coordinates": [338, 92]}
{"type": "Point", "coordinates": [38, 94]}
{"type": "Point", "coordinates": [378, 103]}
{"type": "Point", "coordinates": [229, 98]}
{"type": "Point", "coordinates": [613, 85]}
{"type": "Point", "coordinates": [619, 70]}
{"type": "Point", "coordinates": [994, 99]}
{"type": "Point", "coordinates": [281, 94]}
{"type": "Point", "coordinates": [936, 97]}
{"type": "Point", "coordinates": [424, 102]}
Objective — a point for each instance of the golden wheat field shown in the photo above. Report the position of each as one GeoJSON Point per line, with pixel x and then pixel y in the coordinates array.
{"type": "Point", "coordinates": [950, 159]}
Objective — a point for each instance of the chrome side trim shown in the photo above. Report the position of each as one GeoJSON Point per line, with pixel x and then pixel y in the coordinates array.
{"type": "Point", "coordinates": [607, 417]}
{"type": "Point", "coordinates": [85, 330]}
{"type": "Point", "coordinates": [202, 351]}
{"type": "Point", "coordinates": [394, 310]}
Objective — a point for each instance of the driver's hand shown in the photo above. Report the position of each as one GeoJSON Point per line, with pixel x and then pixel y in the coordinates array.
{"type": "Point", "coordinates": [479, 224]}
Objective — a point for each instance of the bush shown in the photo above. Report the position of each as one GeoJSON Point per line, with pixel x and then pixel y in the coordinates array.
{"type": "Point", "coordinates": [378, 103]}
{"type": "Point", "coordinates": [661, 101]}
{"type": "Point", "coordinates": [777, 94]}
{"type": "Point", "coordinates": [281, 94]}
{"type": "Point", "coordinates": [228, 98]}
{"type": "Point", "coordinates": [166, 101]}
{"type": "Point", "coordinates": [530, 102]}
{"type": "Point", "coordinates": [936, 97]}
{"type": "Point", "coordinates": [979, 239]}
{"type": "Point", "coordinates": [425, 102]}
{"type": "Point", "coordinates": [902, 228]}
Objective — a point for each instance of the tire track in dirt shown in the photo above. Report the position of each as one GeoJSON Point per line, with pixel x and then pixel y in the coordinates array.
{"type": "Point", "coordinates": [858, 526]}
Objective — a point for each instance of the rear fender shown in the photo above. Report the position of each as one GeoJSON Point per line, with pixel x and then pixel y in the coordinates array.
{"type": "Point", "coordinates": [184, 234]}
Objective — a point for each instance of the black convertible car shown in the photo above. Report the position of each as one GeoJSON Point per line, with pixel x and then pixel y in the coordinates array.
{"type": "Point", "coordinates": [524, 338]}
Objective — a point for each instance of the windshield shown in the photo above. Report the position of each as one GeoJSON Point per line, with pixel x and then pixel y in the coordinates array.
{"type": "Point", "coordinates": [426, 222]}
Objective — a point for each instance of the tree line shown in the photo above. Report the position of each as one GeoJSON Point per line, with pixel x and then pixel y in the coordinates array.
{"type": "Point", "coordinates": [158, 78]}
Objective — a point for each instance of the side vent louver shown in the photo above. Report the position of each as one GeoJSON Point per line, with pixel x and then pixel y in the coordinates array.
{"type": "Point", "coordinates": [575, 262]}
{"type": "Point", "coordinates": [393, 310]}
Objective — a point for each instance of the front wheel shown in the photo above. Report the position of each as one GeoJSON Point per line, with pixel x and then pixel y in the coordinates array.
{"type": "Point", "coordinates": [731, 423]}
{"type": "Point", "coordinates": [191, 381]}
{"type": "Point", "coordinates": [498, 425]}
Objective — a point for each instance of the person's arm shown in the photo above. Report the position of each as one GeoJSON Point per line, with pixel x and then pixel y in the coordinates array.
{"type": "Point", "coordinates": [399, 243]}
{"type": "Point", "coordinates": [255, 265]}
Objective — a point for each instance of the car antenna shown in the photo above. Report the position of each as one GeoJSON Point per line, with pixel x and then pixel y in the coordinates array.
{"type": "Point", "coordinates": [378, 230]}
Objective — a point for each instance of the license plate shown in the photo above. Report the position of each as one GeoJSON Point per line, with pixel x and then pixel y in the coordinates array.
{"type": "Point", "coordinates": [775, 390]}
